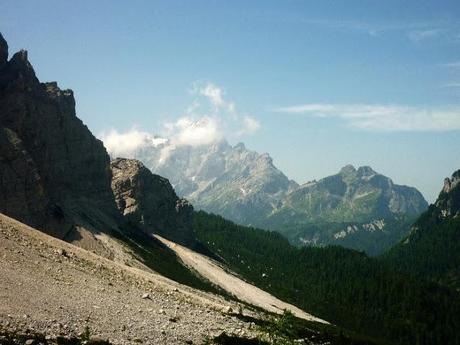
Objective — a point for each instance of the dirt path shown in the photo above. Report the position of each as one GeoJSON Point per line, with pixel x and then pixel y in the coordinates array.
{"type": "Point", "coordinates": [244, 291]}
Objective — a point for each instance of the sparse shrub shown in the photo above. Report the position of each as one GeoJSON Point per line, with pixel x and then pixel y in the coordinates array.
{"type": "Point", "coordinates": [281, 330]}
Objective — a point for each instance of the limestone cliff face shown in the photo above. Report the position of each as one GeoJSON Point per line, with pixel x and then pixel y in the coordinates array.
{"type": "Point", "coordinates": [150, 201]}
{"type": "Point", "coordinates": [54, 174]}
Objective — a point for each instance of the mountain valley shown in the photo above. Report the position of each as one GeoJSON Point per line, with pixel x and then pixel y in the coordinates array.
{"type": "Point", "coordinates": [208, 244]}
{"type": "Point", "coordinates": [56, 176]}
{"type": "Point", "coordinates": [356, 208]}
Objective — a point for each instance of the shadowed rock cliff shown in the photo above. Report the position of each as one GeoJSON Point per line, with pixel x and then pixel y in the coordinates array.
{"type": "Point", "coordinates": [54, 174]}
{"type": "Point", "coordinates": [150, 201]}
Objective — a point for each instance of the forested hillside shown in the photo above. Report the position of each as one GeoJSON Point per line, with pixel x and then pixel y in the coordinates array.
{"type": "Point", "coordinates": [342, 286]}
{"type": "Point", "coordinates": [432, 250]}
{"type": "Point", "coordinates": [373, 237]}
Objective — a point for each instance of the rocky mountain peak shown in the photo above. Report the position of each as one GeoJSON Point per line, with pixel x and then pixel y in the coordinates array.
{"type": "Point", "coordinates": [18, 73]}
{"type": "Point", "coordinates": [149, 200]}
{"type": "Point", "coordinates": [347, 169]}
{"type": "Point", "coordinates": [456, 175]}
{"type": "Point", "coordinates": [240, 146]}
{"type": "Point", "coordinates": [228, 180]}
{"type": "Point", "coordinates": [266, 158]}
{"type": "Point", "coordinates": [362, 171]}
{"type": "Point", "coordinates": [20, 61]}
{"type": "Point", "coordinates": [3, 50]}
{"type": "Point", "coordinates": [123, 166]}
{"type": "Point", "coordinates": [451, 183]}
{"type": "Point", "coordinates": [448, 202]}
{"type": "Point", "coordinates": [352, 195]}
{"type": "Point", "coordinates": [54, 174]}
{"type": "Point", "coordinates": [366, 171]}
{"type": "Point", "coordinates": [21, 56]}
{"type": "Point", "coordinates": [53, 90]}
{"type": "Point", "coordinates": [447, 185]}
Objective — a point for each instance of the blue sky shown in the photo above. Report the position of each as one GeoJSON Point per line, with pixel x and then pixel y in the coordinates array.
{"type": "Point", "coordinates": [316, 84]}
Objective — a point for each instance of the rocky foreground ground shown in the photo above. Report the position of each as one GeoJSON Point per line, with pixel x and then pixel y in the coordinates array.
{"type": "Point", "coordinates": [55, 288]}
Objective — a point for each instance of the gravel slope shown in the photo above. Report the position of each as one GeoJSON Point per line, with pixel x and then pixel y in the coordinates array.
{"type": "Point", "coordinates": [244, 291]}
{"type": "Point", "coordinates": [56, 288]}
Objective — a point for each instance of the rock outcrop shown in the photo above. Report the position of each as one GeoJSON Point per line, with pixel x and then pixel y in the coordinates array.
{"type": "Point", "coordinates": [448, 202]}
{"type": "Point", "coordinates": [54, 174]}
{"type": "Point", "coordinates": [150, 201]}
{"type": "Point", "coordinates": [3, 51]}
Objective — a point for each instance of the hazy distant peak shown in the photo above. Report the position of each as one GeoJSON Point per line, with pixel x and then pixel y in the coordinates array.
{"type": "Point", "coordinates": [266, 158]}
{"type": "Point", "coordinates": [354, 194]}
{"type": "Point", "coordinates": [240, 146]}
{"type": "Point", "coordinates": [221, 143]}
{"type": "Point", "coordinates": [362, 171]}
{"type": "Point", "coordinates": [366, 171]}
{"type": "Point", "coordinates": [347, 169]}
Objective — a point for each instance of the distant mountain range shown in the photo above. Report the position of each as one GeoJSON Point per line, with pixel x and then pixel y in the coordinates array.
{"type": "Point", "coordinates": [232, 181]}
{"type": "Point", "coordinates": [352, 195]}
{"type": "Point", "coordinates": [357, 208]}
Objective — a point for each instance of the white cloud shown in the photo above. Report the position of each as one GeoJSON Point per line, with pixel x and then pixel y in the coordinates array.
{"type": "Point", "coordinates": [187, 131]}
{"type": "Point", "coordinates": [451, 85]}
{"type": "Point", "coordinates": [416, 32]}
{"type": "Point", "coordinates": [371, 28]}
{"type": "Point", "coordinates": [209, 118]}
{"type": "Point", "coordinates": [213, 109]}
{"type": "Point", "coordinates": [214, 94]}
{"type": "Point", "coordinates": [453, 64]}
{"type": "Point", "coordinates": [421, 35]}
{"type": "Point", "coordinates": [125, 144]}
{"type": "Point", "coordinates": [384, 117]}
{"type": "Point", "coordinates": [250, 125]}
